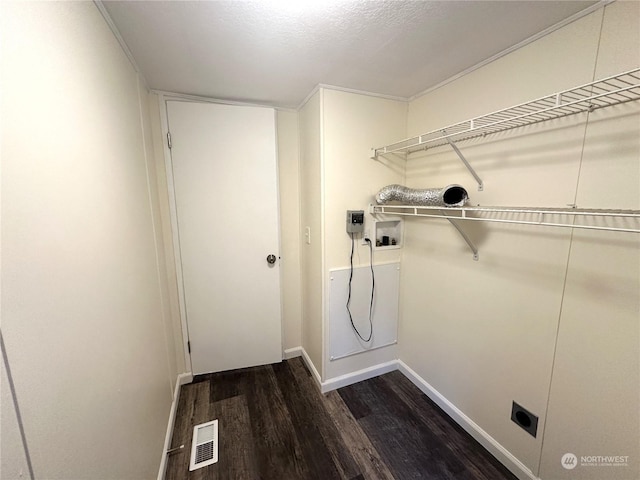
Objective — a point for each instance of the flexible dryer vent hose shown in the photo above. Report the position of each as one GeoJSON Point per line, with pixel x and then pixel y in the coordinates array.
{"type": "Point", "coordinates": [451, 196]}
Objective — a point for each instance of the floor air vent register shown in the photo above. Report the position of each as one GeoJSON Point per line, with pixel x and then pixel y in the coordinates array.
{"type": "Point", "coordinates": [204, 446]}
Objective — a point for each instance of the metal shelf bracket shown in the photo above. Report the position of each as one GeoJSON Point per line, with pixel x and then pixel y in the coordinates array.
{"type": "Point", "coordinates": [466, 163]}
{"type": "Point", "coordinates": [462, 233]}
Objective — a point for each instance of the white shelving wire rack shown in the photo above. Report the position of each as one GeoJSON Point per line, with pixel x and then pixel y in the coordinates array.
{"type": "Point", "coordinates": [610, 91]}
{"type": "Point", "coordinates": [621, 88]}
{"type": "Point", "coordinates": [627, 221]}
{"type": "Point", "coordinates": [624, 220]}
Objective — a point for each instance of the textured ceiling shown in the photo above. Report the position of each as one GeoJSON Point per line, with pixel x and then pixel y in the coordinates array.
{"type": "Point", "coordinates": [276, 51]}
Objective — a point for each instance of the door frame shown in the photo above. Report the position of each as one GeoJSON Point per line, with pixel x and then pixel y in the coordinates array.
{"type": "Point", "coordinates": [163, 98]}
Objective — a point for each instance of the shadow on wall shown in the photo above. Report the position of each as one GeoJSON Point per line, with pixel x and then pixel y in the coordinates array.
{"type": "Point", "coordinates": [16, 407]}
{"type": "Point", "coordinates": [496, 152]}
{"type": "Point", "coordinates": [396, 162]}
{"type": "Point", "coordinates": [524, 269]}
{"type": "Point", "coordinates": [478, 233]}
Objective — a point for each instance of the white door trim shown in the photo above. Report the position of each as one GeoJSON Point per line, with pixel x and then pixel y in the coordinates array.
{"type": "Point", "coordinates": [168, 167]}
{"type": "Point", "coordinates": [279, 217]}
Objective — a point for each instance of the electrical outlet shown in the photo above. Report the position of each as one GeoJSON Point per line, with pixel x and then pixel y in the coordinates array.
{"type": "Point", "coordinates": [366, 234]}
{"type": "Point", "coordinates": [524, 419]}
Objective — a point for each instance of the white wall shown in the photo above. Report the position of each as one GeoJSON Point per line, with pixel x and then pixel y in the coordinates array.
{"type": "Point", "coordinates": [595, 389]}
{"type": "Point", "coordinates": [337, 130]}
{"type": "Point", "coordinates": [484, 333]}
{"type": "Point", "coordinates": [352, 124]}
{"type": "Point", "coordinates": [289, 193]}
{"type": "Point", "coordinates": [83, 316]}
{"type": "Point", "coordinates": [312, 217]}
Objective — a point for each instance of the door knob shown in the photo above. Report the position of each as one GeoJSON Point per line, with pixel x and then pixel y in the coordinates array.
{"type": "Point", "coordinates": [271, 259]}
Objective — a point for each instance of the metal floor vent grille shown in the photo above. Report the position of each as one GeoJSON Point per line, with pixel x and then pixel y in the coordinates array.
{"type": "Point", "coordinates": [204, 446]}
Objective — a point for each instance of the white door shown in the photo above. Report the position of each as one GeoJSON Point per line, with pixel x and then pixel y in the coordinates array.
{"type": "Point", "coordinates": [225, 180]}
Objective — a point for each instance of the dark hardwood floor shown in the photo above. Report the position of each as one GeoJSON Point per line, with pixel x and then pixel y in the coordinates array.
{"type": "Point", "coordinates": [274, 423]}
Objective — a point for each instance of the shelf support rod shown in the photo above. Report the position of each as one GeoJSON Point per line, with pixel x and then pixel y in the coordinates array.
{"type": "Point", "coordinates": [466, 164]}
{"type": "Point", "coordinates": [466, 239]}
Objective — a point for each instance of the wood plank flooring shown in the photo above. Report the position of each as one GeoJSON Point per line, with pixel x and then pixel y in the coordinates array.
{"type": "Point", "coordinates": [273, 423]}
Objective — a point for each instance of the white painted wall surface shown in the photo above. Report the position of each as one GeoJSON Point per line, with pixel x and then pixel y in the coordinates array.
{"type": "Point", "coordinates": [484, 333]}
{"type": "Point", "coordinates": [352, 124]}
{"type": "Point", "coordinates": [289, 190]}
{"type": "Point", "coordinates": [82, 307]}
{"type": "Point", "coordinates": [594, 404]}
{"type": "Point", "coordinates": [312, 218]}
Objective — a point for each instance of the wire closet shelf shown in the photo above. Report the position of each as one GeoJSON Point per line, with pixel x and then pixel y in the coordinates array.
{"type": "Point", "coordinates": [590, 219]}
{"type": "Point", "coordinates": [621, 88]}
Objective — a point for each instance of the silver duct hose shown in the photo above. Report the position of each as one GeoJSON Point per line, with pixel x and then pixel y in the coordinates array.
{"type": "Point", "coordinates": [451, 196]}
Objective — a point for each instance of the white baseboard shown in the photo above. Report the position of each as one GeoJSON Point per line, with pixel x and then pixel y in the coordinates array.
{"type": "Point", "coordinates": [358, 376]}
{"type": "Point", "coordinates": [487, 441]}
{"type": "Point", "coordinates": [342, 380]}
{"type": "Point", "coordinates": [185, 378]}
{"type": "Point", "coordinates": [182, 379]}
{"type": "Point", "coordinates": [292, 353]}
{"type": "Point", "coordinates": [311, 367]}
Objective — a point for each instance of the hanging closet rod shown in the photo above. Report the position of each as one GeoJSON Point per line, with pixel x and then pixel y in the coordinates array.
{"type": "Point", "coordinates": [460, 213]}
{"type": "Point", "coordinates": [621, 88]}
